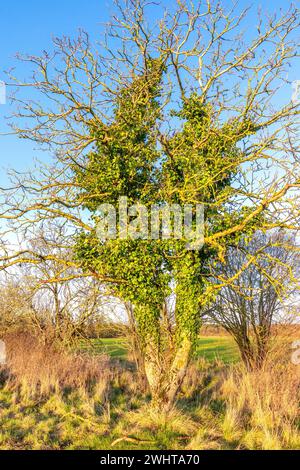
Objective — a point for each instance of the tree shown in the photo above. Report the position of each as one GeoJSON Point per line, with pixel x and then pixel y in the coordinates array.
{"type": "Point", "coordinates": [50, 297]}
{"type": "Point", "coordinates": [263, 295]}
{"type": "Point", "coordinates": [62, 299]}
{"type": "Point", "coordinates": [16, 312]}
{"type": "Point", "coordinates": [184, 112]}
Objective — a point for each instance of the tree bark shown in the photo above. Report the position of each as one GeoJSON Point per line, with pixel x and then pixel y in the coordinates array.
{"type": "Point", "coordinates": [165, 380]}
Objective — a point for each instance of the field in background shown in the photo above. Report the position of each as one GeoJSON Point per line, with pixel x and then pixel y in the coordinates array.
{"type": "Point", "coordinates": [209, 347]}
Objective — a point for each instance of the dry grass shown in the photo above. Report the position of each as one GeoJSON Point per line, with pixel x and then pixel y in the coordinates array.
{"type": "Point", "coordinates": [55, 399]}
{"type": "Point", "coordinates": [262, 407]}
{"type": "Point", "coordinates": [36, 369]}
{"type": "Point", "coordinates": [241, 409]}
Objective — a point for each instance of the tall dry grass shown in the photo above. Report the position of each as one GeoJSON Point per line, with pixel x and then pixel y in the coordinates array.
{"type": "Point", "coordinates": [262, 406]}
{"type": "Point", "coordinates": [38, 370]}
{"type": "Point", "coordinates": [220, 407]}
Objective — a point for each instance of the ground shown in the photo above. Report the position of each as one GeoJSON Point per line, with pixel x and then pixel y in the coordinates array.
{"type": "Point", "coordinates": [68, 404]}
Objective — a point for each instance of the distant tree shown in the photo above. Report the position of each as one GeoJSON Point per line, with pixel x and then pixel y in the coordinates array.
{"type": "Point", "coordinates": [16, 312]}
{"type": "Point", "coordinates": [265, 293]}
{"type": "Point", "coordinates": [62, 299]}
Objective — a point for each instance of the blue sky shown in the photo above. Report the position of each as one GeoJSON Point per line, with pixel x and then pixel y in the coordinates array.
{"type": "Point", "coordinates": [27, 27]}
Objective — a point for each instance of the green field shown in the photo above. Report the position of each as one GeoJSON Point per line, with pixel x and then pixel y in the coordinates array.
{"type": "Point", "coordinates": [209, 347]}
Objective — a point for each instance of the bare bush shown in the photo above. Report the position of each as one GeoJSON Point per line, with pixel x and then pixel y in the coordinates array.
{"type": "Point", "coordinates": [263, 294]}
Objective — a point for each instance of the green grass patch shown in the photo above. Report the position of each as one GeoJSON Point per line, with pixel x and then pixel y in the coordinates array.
{"type": "Point", "coordinates": [217, 347]}
{"type": "Point", "coordinates": [209, 347]}
{"type": "Point", "coordinates": [115, 347]}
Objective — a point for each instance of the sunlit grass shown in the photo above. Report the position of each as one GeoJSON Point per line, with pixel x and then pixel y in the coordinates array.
{"type": "Point", "coordinates": [221, 405]}
{"type": "Point", "coordinates": [209, 347]}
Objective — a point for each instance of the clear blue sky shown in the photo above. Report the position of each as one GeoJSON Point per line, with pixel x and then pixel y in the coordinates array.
{"type": "Point", "coordinates": [26, 26]}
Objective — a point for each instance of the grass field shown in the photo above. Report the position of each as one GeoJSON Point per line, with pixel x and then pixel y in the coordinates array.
{"type": "Point", "coordinates": [53, 399]}
{"type": "Point", "coordinates": [209, 347]}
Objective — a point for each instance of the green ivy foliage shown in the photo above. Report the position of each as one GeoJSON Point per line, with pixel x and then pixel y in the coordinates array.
{"type": "Point", "coordinates": [124, 159]}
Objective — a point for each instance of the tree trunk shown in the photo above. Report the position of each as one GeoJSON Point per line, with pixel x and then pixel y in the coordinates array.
{"type": "Point", "coordinates": [246, 351]}
{"type": "Point", "coordinates": [165, 362]}
{"type": "Point", "coordinates": [177, 372]}
{"type": "Point", "coordinates": [154, 373]}
{"type": "Point", "coordinates": [165, 380]}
